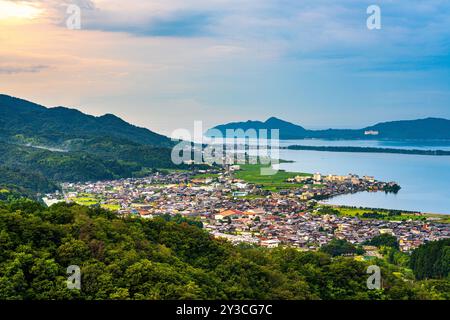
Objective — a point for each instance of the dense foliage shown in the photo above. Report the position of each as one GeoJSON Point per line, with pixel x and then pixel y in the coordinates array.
{"type": "Point", "coordinates": [134, 258]}
{"type": "Point", "coordinates": [432, 260]}
{"type": "Point", "coordinates": [384, 240]}
{"type": "Point", "coordinates": [17, 183]}
{"type": "Point", "coordinates": [340, 247]}
{"type": "Point", "coordinates": [54, 167]}
{"type": "Point", "coordinates": [90, 160]}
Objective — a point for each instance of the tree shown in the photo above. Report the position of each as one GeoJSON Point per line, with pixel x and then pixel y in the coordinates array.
{"type": "Point", "coordinates": [72, 252]}
{"type": "Point", "coordinates": [385, 239]}
{"type": "Point", "coordinates": [165, 258]}
{"type": "Point", "coordinates": [431, 260]}
{"type": "Point", "coordinates": [338, 247]}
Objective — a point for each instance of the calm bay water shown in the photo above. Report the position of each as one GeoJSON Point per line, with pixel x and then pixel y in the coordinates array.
{"type": "Point", "coordinates": [425, 180]}
{"type": "Point", "coordinates": [420, 145]}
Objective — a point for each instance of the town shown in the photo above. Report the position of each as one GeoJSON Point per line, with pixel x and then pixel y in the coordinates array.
{"type": "Point", "coordinates": [279, 213]}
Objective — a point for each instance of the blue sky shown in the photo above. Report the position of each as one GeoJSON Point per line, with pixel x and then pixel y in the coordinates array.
{"type": "Point", "coordinates": [164, 63]}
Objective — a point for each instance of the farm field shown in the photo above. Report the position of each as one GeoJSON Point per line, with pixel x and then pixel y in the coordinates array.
{"type": "Point", "coordinates": [251, 173]}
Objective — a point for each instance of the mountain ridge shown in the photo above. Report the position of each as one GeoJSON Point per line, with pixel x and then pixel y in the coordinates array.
{"type": "Point", "coordinates": [430, 128]}
{"type": "Point", "coordinates": [22, 117]}
{"type": "Point", "coordinates": [53, 145]}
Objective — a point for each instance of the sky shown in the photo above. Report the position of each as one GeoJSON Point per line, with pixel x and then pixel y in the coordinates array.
{"type": "Point", "coordinates": [163, 64]}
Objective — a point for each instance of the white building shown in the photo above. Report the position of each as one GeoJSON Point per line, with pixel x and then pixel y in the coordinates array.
{"type": "Point", "coordinates": [317, 177]}
{"type": "Point", "coordinates": [271, 243]}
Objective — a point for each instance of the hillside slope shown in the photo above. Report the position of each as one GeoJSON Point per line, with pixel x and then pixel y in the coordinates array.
{"type": "Point", "coordinates": [24, 121]}
{"type": "Point", "coordinates": [59, 144]}
{"type": "Point", "coordinates": [171, 258]}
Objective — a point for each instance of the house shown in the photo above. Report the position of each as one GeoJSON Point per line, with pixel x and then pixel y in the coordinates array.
{"type": "Point", "coordinates": [240, 185]}
{"type": "Point", "coordinates": [317, 177]}
{"type": "Point", "coordinates": [369, 178]}
{"type": "Point", "coordinates": [228, 213]}
{"type": "Point", "coordinates": [301, 178]}
{"type": "Point", "coordinates": [387, 231]}
{"type": "Point", "coordinates": [306, 196]}
{"type": "Point", "coordinates": [270, 243]}
{"type": "Point", "coordinates": [372, 251]}
{"type": "Point", "coordinates": [256, 211]}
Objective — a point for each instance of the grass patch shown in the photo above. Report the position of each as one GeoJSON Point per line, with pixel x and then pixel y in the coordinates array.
{"type": "Point", "coordinates": [443, 218]}
{"type": "Point", "coordinates": [381, 214]}
{"type": "Point", "coordinates": [353, 211]}
{"type": "Point", "coordinates": [252, 197]}
{"type": "Point", "coordinates": [110, 206]}
{"type": "Point", "coordinates": [251, 173]}
{"type": "Point", "coordinates": [85, 201]}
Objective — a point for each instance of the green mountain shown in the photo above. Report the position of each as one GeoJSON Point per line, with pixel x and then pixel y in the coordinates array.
{"type": "Point", "coordinates": [53, 145]}
{"type": "Point", "coordinates": [422, 129]}
{"type": "Point", "coordinates": [24, 121]}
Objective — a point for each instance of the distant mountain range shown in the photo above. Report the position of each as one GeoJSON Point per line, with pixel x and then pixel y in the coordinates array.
{"type": "Point", "coordinates": [40, 147]}
{"type": "Point", "coordinates": [422, 129]}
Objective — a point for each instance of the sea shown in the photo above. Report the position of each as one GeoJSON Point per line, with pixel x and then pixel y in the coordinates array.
{"type": "Point", "coordinates": [424, 180]}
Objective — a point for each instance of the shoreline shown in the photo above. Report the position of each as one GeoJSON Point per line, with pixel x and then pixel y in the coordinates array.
{"type": "Point", "coordinates": [368, 150]}
{"type": "Point", "coordinates": [387, 209]}
{"type": "Point", "coordinates": [444, 216]}
{"type": "Point", "coordinates": [369, 208]}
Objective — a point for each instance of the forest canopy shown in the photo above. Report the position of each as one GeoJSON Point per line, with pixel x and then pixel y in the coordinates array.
{"type": "Point", "coordinates": [164, 258]}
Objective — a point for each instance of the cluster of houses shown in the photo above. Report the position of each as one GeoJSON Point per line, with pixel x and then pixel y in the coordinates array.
{"type": "Point", "coordinates": [242, 212]}
{"type": "Point", "coordinates": [320, 186]}
{"type": "Point", "coordinates": [309, 231]}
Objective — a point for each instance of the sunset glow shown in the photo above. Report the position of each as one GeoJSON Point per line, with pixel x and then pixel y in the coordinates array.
{"type": "Point", "coordinates": [11, 10]}
{"type": "Point", "coordinates": [228, 58]}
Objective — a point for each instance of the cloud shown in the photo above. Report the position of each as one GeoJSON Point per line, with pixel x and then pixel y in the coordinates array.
{"type": "Point", "coordinates": [179, 24]}
{"type": "Point", "coordinates": [142, 18]}
{"type": "Point", "coordinates": [315, 32]}
{"type": "Point", "coordinates": [294, 26]}
{"type": "Point", "coordinates": [231, 57]}
{"type": "Point", "coordinates": [15, 69]}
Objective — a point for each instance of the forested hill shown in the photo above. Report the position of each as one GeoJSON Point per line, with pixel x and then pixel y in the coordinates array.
{"type": "Point", "coordinates": [287, 130]}
{"type": "Point", "coordinates": [59, 144]}
{"type": "Point", "coordinates": [91, 160]}
{"type": "Point", "coordinates": [421, 129]}
{"type": "Point", "coordinates": [21, 120]}
{"type": "Point", "coordinates": [174, 258]}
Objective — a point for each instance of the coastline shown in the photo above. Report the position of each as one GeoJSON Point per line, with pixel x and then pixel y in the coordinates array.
{"type": "Point", "coordinates": [441, 217]}
{"type": "Point", "coordinates": [368, 150]}
{"type": "Point", "coordinates": [421, 177]}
